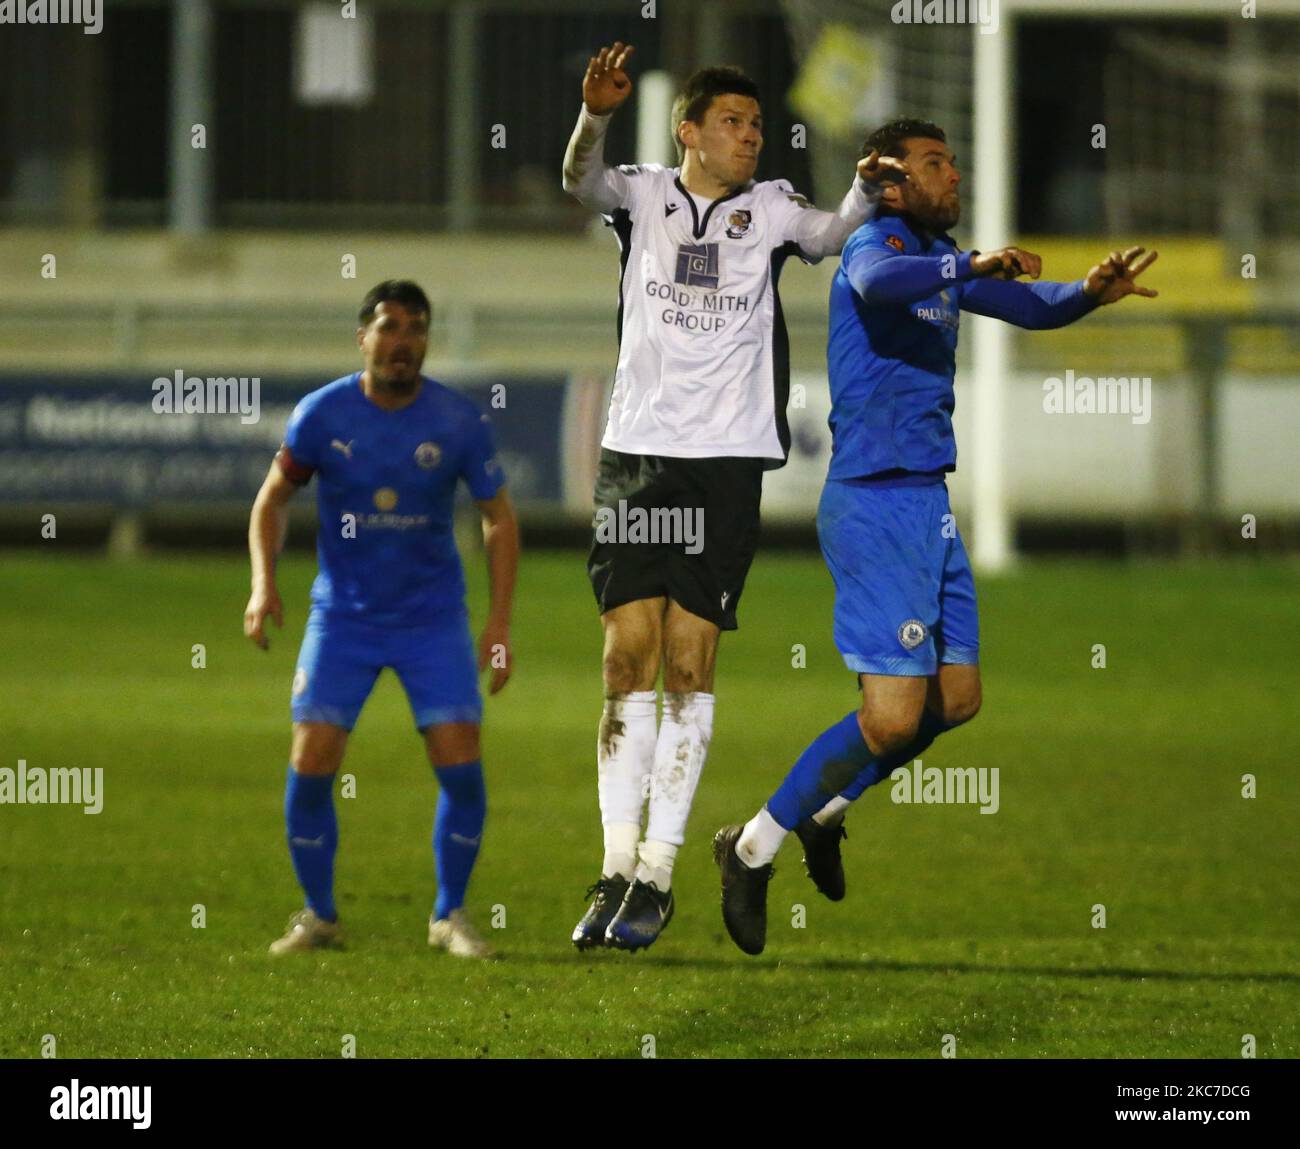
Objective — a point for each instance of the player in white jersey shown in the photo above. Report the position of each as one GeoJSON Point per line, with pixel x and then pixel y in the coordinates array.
{"type": "Point", "coordinates": [697, 415]}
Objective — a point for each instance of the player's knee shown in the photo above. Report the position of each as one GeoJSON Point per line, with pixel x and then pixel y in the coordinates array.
{"type": "Point", "coordinates": [888, 731]}
{"type": "Point", "coordinates": [624, 672]}
{"type": "Point", "coordinates": [685, 675]}
{"type": "Point", "coordinates": [316, 756]}
{"type": "Point", "coordinates": [452, 745]}
{"type": "Point", "coordinates": [314, 762]}
{"type": "Point", "coordinates": [962, 708]}
{"type": "Point", "coordinates": [317, 748]}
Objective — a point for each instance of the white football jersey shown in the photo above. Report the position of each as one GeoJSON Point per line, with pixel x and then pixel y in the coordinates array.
{"type": "Point", "coordinates": [703, 362]}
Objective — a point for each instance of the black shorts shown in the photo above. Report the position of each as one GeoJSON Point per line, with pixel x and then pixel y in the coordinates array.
{"type": "Point", "coordinates": [685, 529]}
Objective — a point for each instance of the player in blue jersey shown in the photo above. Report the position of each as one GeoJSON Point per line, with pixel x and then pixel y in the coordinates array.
{"type": "Point", "coordinates": [390, 447]}
{"type": "Point", "coordinates": [905, 617]}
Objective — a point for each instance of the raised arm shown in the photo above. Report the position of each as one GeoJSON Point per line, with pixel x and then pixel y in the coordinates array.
{"type": "Point", "coordinates": [882, 277]}
{"type": "Point", "coordinates": [1040, 306]}
{"type": "Point", "coordinates": [1033, 306]}
{"type": "Point", "coordinates": [822, 233]}
{"type": "Point", "coordinates": [586, 175]}
{"type": "Point", "coordinates": [887, 277]}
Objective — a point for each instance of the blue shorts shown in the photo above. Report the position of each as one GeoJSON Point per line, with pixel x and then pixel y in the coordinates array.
{"type": "Point", "coordinates": [341, 658]}
{"type": "Point", "coordinates": [904, 592]}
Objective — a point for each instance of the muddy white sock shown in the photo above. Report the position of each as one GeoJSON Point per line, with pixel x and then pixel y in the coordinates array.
{"type": "Point", "coordinates": [682, 746]}
{"type": "Point", "coordinates": [625, 751]}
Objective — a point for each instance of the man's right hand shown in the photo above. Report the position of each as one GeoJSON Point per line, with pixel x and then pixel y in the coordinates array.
{"type": "Point", "coordinates": [263, 601]}
{"type": "Point", "coordinates": [1008, 263]}
{"type": "Point", "coordinates": [606, 85]}
{"type": "Point", "coordinates": [879, 170]}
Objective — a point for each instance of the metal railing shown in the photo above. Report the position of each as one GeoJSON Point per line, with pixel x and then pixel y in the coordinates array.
{"type": "Point", "coordinates": [471, 105]}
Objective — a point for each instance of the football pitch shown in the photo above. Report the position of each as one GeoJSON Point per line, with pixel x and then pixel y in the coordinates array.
{"type": "Point", "coordinates": [1119, 787]}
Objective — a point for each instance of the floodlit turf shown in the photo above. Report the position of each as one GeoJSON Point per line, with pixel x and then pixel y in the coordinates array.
{"type": "Point", "coordinates": [1119, 786]}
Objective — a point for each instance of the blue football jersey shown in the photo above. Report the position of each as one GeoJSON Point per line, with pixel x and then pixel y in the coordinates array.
{"type": "Point", "coordinates": [895, 308]}
{"type": "Point", "coordinates": [891, 367]}
{"type": "Point", "coordinates": [387, 486]}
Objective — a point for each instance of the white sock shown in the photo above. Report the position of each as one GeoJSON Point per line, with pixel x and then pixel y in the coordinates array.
{"type": "Point", "coordinates": [760, 840]}
{"type": "Point", "coordinates": [836, 805]}
{"type": "Point", "coordinates": [625, 749]}
{"type": "Point", "coordinates": [657, 864]}
{"type": "Point", "coordinates": [620, 849]}
{"type": "Point", "coordinates": [684, 733]}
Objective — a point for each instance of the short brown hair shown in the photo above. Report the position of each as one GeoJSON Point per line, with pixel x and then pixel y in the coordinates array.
{"type": "Point", "coordinates": [696, 97]}
{"type": "Point", "coordinates": [888, 138]}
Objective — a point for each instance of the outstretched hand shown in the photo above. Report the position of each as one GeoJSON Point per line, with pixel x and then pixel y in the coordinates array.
{"type": "Point", "coordinates": [606, 85]}
{"type": "Point", "coordinates": [1113, 277]}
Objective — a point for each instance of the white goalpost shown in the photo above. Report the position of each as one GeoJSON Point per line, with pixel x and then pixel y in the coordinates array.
{"type": "Point", "coordinates": [993, 131]}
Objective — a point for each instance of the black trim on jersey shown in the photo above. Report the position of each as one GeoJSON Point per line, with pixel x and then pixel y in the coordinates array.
{"type": "Point", "coordinates": [621, 221]}
{"type": "Point", "coordinates": [701, 226]}
{"type": "Point", "coordinates": [780, 355]}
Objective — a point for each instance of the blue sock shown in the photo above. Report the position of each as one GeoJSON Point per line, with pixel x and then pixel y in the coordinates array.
{"type": "Point", "coordinates": [930, 728]}
{"type": "Point", "coordinates": [839, 761]}
{"type": "Point", "coordinates": [836, 759]}
{"type": "Point", "coordinates": [313, 837]}
{"type": "Point", "coordinates": [457, 829]}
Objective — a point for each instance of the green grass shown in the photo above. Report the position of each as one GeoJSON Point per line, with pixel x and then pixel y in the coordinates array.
{"type": "Point", "coordinates": [1120, 786]}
